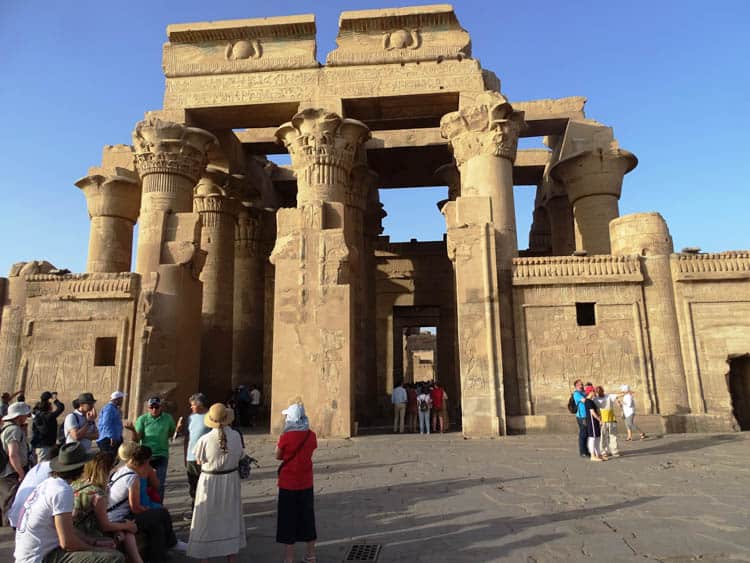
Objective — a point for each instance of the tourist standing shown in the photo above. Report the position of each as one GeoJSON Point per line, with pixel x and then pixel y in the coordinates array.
{"type": "Point", "coordinates": [218, 528]}
{"type": "Point", "coordinates": [627, 402]}
{"type": "Point", "coordinates": [399, 400]}
{"type": "Point", "coordinates": [195, 428]}
{"type": "Point", "coordinates": [110, 424]}
{"type": "Point", "coordinates": [46, 532]}
{"type": "Point", "coordinates": [424, 405]}
{"type": "Point", "coordinates": [437, 396]}
{"type": "Point", "coordinates": [80, 425]}
{"type": "Point", "coordinates": [44, 424]}
{"type": "Point", "coordinates": [579, 399]}
{"type": "Point", "coordinates": [255, 397]}
{"type": "Point", "coordinates": [243, 405]}
{"type": "Point", "coordinates": [412, 410]}
{"type": "Point", "coordinates": [154, 429]}
{"type": "Point", "coordinates": [593, 425]}
{"type": "Point", "coordinates": [17, 451]}
{"type": "Point", "coordinates": [606, 405]}
{"type": "Point", "coordinates": [155, 524]}
{"type": "Point", "coordinates": [296, 507]}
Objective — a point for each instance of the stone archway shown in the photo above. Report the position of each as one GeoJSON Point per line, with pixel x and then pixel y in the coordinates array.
{"type": "Point", "coordinates": [738, 380]}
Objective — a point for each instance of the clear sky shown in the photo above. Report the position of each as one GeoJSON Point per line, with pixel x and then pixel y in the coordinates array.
{"type": "Point", "coordinates": [671, 77]}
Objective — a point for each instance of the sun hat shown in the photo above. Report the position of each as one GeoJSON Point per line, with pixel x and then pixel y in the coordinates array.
{"type": "Point", "coordinates": [71, 456]}
{"type": "Point", "coordinates": [86, 398]}
{"type": "Point", "coordinates": [16, 410]}
{"type": "Point", "coordinates": [218, 415]}
{"type": "Point", "coordinates": [624, 388]}
{"type": "Point", "coordinates": [294, 412]}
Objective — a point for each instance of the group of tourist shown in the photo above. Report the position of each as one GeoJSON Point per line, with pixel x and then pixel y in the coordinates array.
{"type": "Point", "coordinates": [419, 403]}
{"type": "Point", "coordinates": [93, 497]}
{"type": "Point", "coordinates": [597, 421]}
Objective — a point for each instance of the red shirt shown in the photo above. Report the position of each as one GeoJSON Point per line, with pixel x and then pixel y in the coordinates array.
{"type": "Point", "coordinates": [437, 397]}
{"type": "Point", "coordinates": [297, 474]}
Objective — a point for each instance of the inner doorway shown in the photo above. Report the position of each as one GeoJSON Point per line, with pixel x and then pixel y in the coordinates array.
{"type": "Point", "coordinates": [739, 389]}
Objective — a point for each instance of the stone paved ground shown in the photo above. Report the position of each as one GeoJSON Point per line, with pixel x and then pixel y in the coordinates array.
{"type": "Point", "coordinates": [520, 498]}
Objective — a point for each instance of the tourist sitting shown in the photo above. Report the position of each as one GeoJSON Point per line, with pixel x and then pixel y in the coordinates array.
{"type": "Point", "coordinates": [45, 532]}
{"type": "Point", "coordinates": [90, 507]}
{"type": "Point", "coordinates": [17, 451]}
{"type": "Point", "coordinates": [218, 528]}
{"type": "Point", "coordinates": [154, 524]}
{"type": "Point", "coordinates": [34, 477]}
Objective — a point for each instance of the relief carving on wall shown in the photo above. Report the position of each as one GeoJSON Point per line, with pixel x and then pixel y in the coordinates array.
{"type": "Point", "coordinates": [243, 49]}
{"type": "Point", "coordinates": [402, 39]}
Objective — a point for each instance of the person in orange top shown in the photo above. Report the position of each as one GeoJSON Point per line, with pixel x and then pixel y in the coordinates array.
{"type": "Point", "coordinates": [296, 510]}
{"type": "Point", "coordinates": [439, 405]}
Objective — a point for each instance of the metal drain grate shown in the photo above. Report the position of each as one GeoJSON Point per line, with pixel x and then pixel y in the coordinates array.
{"type": "Point", "coordinates": [363, 552]}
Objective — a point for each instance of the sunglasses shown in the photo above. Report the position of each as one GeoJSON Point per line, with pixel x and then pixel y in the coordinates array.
{"type": "Point", "coordinates": [154, 406]}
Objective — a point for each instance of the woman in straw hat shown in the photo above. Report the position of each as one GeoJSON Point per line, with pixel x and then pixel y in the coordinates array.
{"type": "Point", "coordinates": [217, 528]}
{"type": "Point", "coordinates": [296, 510]}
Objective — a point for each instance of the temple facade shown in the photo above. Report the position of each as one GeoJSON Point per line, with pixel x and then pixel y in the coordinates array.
{"type": "Point", "coordinates": [248, 272]}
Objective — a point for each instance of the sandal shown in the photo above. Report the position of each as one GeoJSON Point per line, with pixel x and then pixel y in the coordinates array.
{"type": "Point", "coordinates": [643, 436]}
{"type": "Point", "coordinates": [628, 439]}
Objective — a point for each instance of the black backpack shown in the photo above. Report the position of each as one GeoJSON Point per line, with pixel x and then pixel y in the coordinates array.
{"type": "Point", "coordinates": [572, 406]}
{"type": "Point", "coordinates": [424, 405]}
{"type": "Point", "coordinates": [3, 453]}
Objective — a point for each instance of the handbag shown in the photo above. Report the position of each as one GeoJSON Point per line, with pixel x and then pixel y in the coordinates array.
{"type": "Point", "coordinates": [245, 465]}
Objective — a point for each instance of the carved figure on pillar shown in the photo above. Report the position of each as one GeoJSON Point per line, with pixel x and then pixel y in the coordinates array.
{"type": "Point", "coordinates": [113, 202]}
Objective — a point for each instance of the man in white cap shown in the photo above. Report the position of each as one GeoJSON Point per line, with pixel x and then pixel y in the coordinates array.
{"type": "Point", "coordinates": [16, 449]}
{"type": "Point", "coordinates": [110, 424]}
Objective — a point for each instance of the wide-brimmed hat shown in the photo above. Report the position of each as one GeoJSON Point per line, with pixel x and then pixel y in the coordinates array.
{"type": "Point", "coordinates": [294, 412]}
{"type": "Point", "coordinates": [86, 398]}
{"type": "Point", "coordinates": [16, 410]}
{"type": "Point", "coordinates": [72, 456]}
{"type": "Point", "coordinates": [218, 415]}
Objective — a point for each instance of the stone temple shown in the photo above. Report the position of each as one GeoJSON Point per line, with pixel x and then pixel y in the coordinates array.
{"type": "Point", "coordinates": [247, 272]}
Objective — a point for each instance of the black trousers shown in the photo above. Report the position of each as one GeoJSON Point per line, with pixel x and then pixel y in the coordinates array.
{"type": "Point", "coordinates": [582, 437]}
{"type": "Point", "coordinates": [156, 525]}
{"type": "Point", "coordinates": [296, 516]}
{"type": "Point", "coordinates": [193, 471]}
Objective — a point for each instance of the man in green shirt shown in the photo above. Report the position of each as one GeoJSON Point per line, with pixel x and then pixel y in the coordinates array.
{"type": "Point", "coordinates": [154, 429]}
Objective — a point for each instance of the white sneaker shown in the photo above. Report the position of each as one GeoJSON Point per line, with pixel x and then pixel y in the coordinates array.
{"type": "Point", "coordinates": [180, 546]}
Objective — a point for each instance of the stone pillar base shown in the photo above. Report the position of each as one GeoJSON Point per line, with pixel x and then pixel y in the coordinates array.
{"type": "Point", "coordinates": [482, 426]}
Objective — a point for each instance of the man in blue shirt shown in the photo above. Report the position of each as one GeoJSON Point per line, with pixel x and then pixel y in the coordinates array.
{"type": "Point", "coordinates": [399, 399]}
{"type": "Point", "coordinates": [580, 400]}
{"type": "Point", "coordinates": [195, 429]}
{"type": "Point", "coordinates": [110, 424]}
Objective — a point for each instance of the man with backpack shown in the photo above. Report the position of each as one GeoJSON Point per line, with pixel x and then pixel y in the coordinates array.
{"type": "Point", "coordinates": [15, 455]}
{"type": "Point", "coordinates": [44, 425]}
{"type": "Point", "coordinates": [577, 406]}
{"type": "Point", "coordinates": [80, 425]}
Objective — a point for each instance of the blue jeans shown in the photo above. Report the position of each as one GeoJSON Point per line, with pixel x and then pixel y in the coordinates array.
{"type": "Point", "coordinates": [424, 422]}
{"type": "Point", "coordinates": [160, 464]}
{"type": "Point", "coordinates": [582, 437]}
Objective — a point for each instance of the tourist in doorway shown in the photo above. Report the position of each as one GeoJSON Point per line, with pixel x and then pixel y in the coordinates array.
{"type": "Point", "coordinates": [627, 402]}
{"type": "Point", "coordinates": [80, 425]}
{"type": "Point", "coordinates": [296, 509]}
{"type": "Point", "coordinates": [154, 523]}
{"type": "Point", "coordinates": [44, 424]}
{"type": "Point", "coordinates": [399, 399]}
{"type": "Point", "coordinates": [412, 412]}
{"type": "Point", "coordinates": [17, 451]}
{"type": "Point", "coordinates": [217, 528]}
{"type": "Point", "coordinates": [46, 532]}
{"type": "Point", "coordinates": [439, 403]}
{"type": "Point", "coordinates": [424, 405]}
{"type": "Point", "coordinates": [579, 398]}
{"type": "Point", "coordinates": [110, 424]}
{"type": "Point", "coordinates": [243, 406]}
{"type": "Point", "coordinates": [154, 429]}
{"type": "Point", "coordinates": [5, 399]}
{"type": "Point", "coordinates": [593, 425]}
{"type": "Point", "coordinates": [192, 432]}
{"type": "Point", "coordinates": [255, 397]}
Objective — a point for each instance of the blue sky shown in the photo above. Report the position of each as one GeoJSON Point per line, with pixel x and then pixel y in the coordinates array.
{"type": "Point", "coordinates": [671, 77]}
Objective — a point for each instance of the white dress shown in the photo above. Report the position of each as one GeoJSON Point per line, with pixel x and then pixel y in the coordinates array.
{"type": "Point", "coordinates": [218, 527]}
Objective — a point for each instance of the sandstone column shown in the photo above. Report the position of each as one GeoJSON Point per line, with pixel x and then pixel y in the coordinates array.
{"type": "Point", "coordinates": [249, 296]}
{"type": "Point", "coordinates": [593, 181]}
{"type": "Point", "coordinates": [113, 202]}
{"type": "Point", "coordinates": [316, 258]}
{"type": "Point", "coordinates": [170, 158]}
{"type": "Point", "coordinates": [647, 235]}
{"type": "Point", "coordinates": [218, 214]}
{"type": "Point", "coordinates": [482, 243]}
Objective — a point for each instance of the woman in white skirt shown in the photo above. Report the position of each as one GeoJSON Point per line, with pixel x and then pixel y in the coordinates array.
{"type": "Point", "coordinates": [218, 528]}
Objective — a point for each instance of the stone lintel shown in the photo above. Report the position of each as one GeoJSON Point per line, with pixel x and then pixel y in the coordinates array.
{"type": "Point", "coordinates": [576, 270]}
{"type": "Point", "coordinates": [711, 267]}
{"type": "Point", "coordinates": [249, 45]}
{"type": "Point", "coordinates": [122, 285]}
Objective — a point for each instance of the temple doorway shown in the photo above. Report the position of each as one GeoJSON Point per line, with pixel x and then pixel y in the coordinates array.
{"type": "Point", "coordinates": [739, 389]}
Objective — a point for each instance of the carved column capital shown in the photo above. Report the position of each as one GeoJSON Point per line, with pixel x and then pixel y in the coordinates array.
{"type": "Point", "coordinates": [490, 127]}
{"type": "Point", "coordinates": [323, 148]}
{"type": "Point", "coordinates": [112, 195]}
{"type": "Point", "coordinates": [594, 172]}
{"type": "Point", "coordinates": [449, 175]}
{"type": "Point", "coordinates": [212, 201]}
{"type": "Point", "coordinates": [164, 147]}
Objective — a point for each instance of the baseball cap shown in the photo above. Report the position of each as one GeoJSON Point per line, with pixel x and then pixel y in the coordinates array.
{"type": "Point", "coordinates": [117, 395]}
{"type": "Point", "coordinates": [154, 402]}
